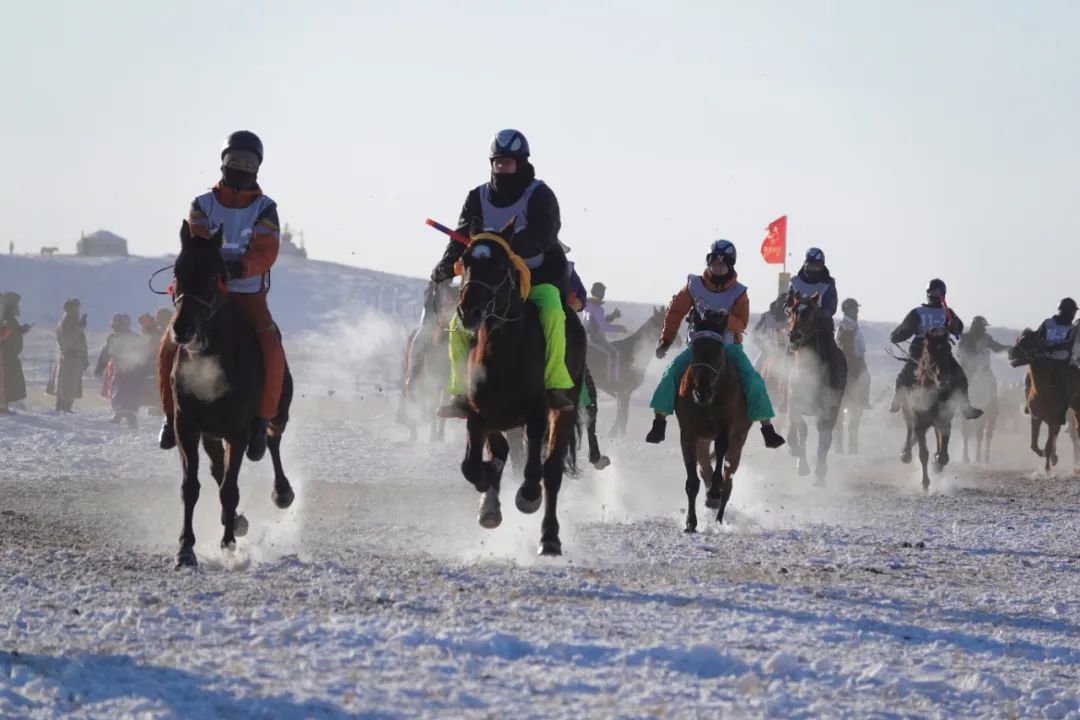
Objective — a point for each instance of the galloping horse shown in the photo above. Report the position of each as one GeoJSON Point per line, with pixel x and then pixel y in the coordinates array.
{"type": "Point", "coordinates": [983, 391]}
{"type": "Point", "coordinates": [634, 352]}
{"type": "Point", "coordinates": [856, 395]}
{"type": "Point", "coordinates": [426, 364]}
{"type": "Point", "coordinates": [505, 385]}
{"type": "Point", "coordinates": [1052, 388]}
{"type": "Point", "coordinates": [711, 409]}
{"type": "Point", "coordinates": [930, 403]}
{"type": "Point", "coordinates": [816, 383]}
{"type": "Point", "coordinates": [216, 381]}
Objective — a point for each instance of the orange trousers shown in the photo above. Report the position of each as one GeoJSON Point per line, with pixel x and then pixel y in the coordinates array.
{"type": "Point", "coordinates": [252, 308]}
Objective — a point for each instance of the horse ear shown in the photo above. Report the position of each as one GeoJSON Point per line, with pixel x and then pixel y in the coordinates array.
{"type": "Point", "coordinates": [507, 230]}
{"type": "Point", "coordinates": [218, 238]}
{"type": "Point", "coordinates": [185, 233]}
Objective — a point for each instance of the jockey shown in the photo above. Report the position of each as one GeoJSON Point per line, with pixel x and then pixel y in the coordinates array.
{"type": "Point", "coordinates": [814, 277]}
{"type": "Point", "coordinates": [514, 193]}
{"type": "Point", "coordinates": [975, 346]}
{"type": "Point", "coordinates": [933, 313]}
{"type": "Point", "coordinates": [250, 222]}
{"type": "Point", "coordinates": [850, 323]}
{"type": "Point", "coordinates": [771, 325]}
{"type": "Point", "coordinates": [598, 324]}
{"type": "Point", "coordinates": [717, 289]}
{"type": "Point", "coordinates": [1056, 333]}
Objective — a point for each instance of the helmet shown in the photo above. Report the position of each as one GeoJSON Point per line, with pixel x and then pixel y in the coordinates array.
{"type": "Point", "coordinates": [598, 289]}
{"type": "Point", "coordinates": [243, 140]}
{"type": "Point", "coordinates": [509, 143]}
{"type": "Point", "coordinates": [1068, 305]}
{"type": "Point", "coordinates": [849, 304]}
{"type": "Point", "coordinates": [936, 284]}
{"type": "Point", "coordinates": [979, 322]}
{"type": "Point", "coordinates": [815, 255]}
{"type": "Point", "coordinates": [724, 249]}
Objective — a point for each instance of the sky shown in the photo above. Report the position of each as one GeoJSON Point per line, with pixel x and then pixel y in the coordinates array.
{"type": "Point", "coordinates": [907, 140]}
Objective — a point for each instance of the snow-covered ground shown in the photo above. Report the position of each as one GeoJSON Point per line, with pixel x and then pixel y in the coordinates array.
{"type": "Point", "coordinates": [378, 595]}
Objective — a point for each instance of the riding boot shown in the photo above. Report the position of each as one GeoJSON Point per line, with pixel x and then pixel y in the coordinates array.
{"type": "Point", "coordinates": [659, 429]}
{"type": "Point", "coordinates": [969, 412]}
{"type": "Point", "coordinates": [257, 443]}
{"type": "Point", "coordinates": [559, 401]}
{"type": "Point", "coordinates": [456, 409]}
{"type": "Point", "coordinates": [167, 436]}
{"type": "Point", "coordinates": [773, 439]}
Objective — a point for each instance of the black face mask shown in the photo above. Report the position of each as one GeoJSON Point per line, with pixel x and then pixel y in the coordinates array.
{"type": "Point", "coordinates": [853, 314]}
{"type": "Point", "coordinates": [719, 280]}
{"type": "Point", "coordinates": [238, 179]}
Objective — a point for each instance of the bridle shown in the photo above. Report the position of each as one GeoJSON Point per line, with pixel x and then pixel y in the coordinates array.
{"type": "Point", "coordinates": [490, 311]}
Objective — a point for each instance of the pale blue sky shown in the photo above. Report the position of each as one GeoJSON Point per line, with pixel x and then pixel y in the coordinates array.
{"type": "Point", "coordinates": [907, 139]}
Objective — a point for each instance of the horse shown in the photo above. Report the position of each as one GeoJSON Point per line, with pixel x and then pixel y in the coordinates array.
{"type": "Point", "coordinates": [772, 362]}
{"type": "Point", "coordinates": [711, 409]}
{"type": "Point", "coordinates": [857, 394]}
{"type": "Point", "coordinates": [633, 355]}
{"type": "Point", "coordinates": [930, 403]}
{"type": "Point", "coordinates": [505, 384]}
{"type": "Point", "coordinates": [818, 377]}
{"type": "Point", "coordinates": [426, 364]}
{"type": "Point", "coordinates": [983, 391]}
{"type": "Point", "coordinates": [216, 381]}
{"type": "Point", "coordinates": [1052, 389]}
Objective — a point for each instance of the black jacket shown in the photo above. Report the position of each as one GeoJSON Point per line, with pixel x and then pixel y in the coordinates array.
{"type": "Point", "coordinates": [910, 326]}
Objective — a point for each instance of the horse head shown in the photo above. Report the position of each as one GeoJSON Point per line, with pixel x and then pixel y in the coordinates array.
{"type": "Point", "coordinates": [198, 284]}
{"type": "Point", "coordinates": [709, 361]}
{"type": "Point", "coordinates": [1026, 349]}
{"type": "Point", "coordinates": [936, 353]}
{"type": "Point", "coordinates": [489, 278]}
{"type": "Point", "coordinates": [802, 319]}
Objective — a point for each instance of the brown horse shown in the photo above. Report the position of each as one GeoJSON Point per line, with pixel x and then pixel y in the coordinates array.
{"type": "Point", "coordinates": [857, 394]}
{"type": "Point", "coordinates": [634, 353]}
{"type": "Point", "coordinates": [711, 409]}
{"type": "Point", "coordinates": [931, 403]}
{"type": "Point", "coordinates": [816, 384]}
{"type": "Point", "coordinates": [505, 386]}
{"type": "Point", "coordinates": [216, 381]}
{"type": "Point", "coordinates": [1052, 387]}
{"type": "Point", "coordinates": [426, 364]}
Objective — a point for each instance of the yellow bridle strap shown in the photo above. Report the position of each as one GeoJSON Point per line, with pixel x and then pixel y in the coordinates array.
{"type": "Point", "coordinates": [524, 274]}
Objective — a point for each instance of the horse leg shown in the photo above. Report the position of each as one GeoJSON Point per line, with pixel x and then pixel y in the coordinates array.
{"type": "Point", "coordinates": [715, 497]}
{"type": "Point", "coordinates": [472, 467]}
{"type": "Point", "coordinates": [825, 425]}
{"type": "Point", "coordinates": [282, 494]}
{"type": "Point", "coordinates": [562, 425]}
{"type": "Point", "coordinates": [188, 437]}
{"type": "Point", "coordinates": [731, 461]}
{"type": "Point", "coordinates": [924, 456]}
{"type": "Point", "coordinates": [596, 458]}
{"type": "Point", "coordinates": [1075, 438]}
{"type": "Point", "coordinates": [216, 452]}
{"type": "Point", "coordinates": [1035, 422]}
{"type": "Point", "coordinates": [490, 510]}
{"type": "Point", "coordinates": [840, 432]}
{"type": "Point", "coordinates": [1052, 431]}
{"type": "Point", "coordinates": [800, 430]}
{"type": "Point", "coordinates": [965, 433]}
{"type": "Point", "coordinates": [622, 415]}
{"type": "Point", "coordinates": [941, 457]}
{"type": "Point", "coordinates": [689, 442]}
{"type": "Point", "coordinates": [853, 431]}
{"type": "Point", "coordinates": [229, 492]}
{"type": "Point", "coordinates": [530, 494]}
{"type": "Point", "coordinates": [909, 441]}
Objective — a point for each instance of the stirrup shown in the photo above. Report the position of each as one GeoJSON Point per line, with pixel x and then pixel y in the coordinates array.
{"type": "Point", "coordinates": [456, 409]}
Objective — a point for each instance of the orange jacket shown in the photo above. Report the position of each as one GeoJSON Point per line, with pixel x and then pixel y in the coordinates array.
{"type": "Point", "coordinates": [682, 303]}
{"type": "Point", "coordinates": [265, 242]}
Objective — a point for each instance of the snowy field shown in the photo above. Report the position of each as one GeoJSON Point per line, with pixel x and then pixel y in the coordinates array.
{"type": "Point", "coordinates": [378, 595]}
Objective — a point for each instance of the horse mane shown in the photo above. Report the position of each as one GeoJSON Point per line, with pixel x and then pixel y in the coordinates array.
{"type": "Point", "coordinates": [929, 368]}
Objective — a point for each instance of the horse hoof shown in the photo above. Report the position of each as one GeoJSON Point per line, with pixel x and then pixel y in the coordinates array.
{"type": "Point", "coordinates": [550, 548]}
{"type": "Point", "coordinates": [712, 502]}
{"type": "Point", "coordinates": [926, 485]}
{"type": "Point", "coordinates": [690, 529]}
{"type": "Point", "coordinates": [240, 525]}
{"type": "Point", "coordinates": [186, 558]}
{"type": "Point", "coordinates": [602, 463]}
{"type": "Point", "coordinates": [283, 499]}
{"type": "Point", "coordinates": [1037, 451]}
{"type": "Point", "coordinates": [1053, 460]}
{"type": "Point", "coordinates": [491, 520]}
{"type": "Point", "coordinates": [905, 457]}
{"type": "Point", "coordinates": [525, 505]}
{"type": "Point", "coordinates": [804, 469]}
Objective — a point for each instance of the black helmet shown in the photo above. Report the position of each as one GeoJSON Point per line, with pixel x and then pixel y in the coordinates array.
{"type": "Point", "coordinates": [936, 284]}
{"type": "Point", "coordinates": [509, 143]}
{"type": "Point", "coordinates": [849, 304]}
{"type": "Point", "coordinates": [243, 140]}
{"type": "Point", "coordinates": [1068, 305]}
{"type": "Point", "coordinates": [815, 255]}
{"type": "Point", "coordinates": [598, 289]}
{"type": "Point", "coordinates": [979, 322]}
{"type": "Point", "coordinates": [723, 249]}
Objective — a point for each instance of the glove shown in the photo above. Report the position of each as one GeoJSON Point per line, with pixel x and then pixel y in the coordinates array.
{"type": "Point", "coordinates": [234, 269]}
{"type": "Point", "coordinates": [615, 314]}
{"type": "Point", "coordinates": [661, 349]}
{"type": "Point", "coordinates": [26, 328]}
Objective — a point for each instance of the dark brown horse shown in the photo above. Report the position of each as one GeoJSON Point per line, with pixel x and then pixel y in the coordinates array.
{"type": "Point", "coordinates": [633, 355]}
{"type": "Point", "coordinates": [426, 364]}
{"type": "Point", "coordinates": [1053, 387]}
{"type": "Point", "coordinates": [216, 381]}
{"type": "Point", "coordinates": [505, 386]}
{"type": "Point", "coordinates": [931, 403]}
{"type": "Point", "coordinates": [816, 383]}
{"type": "Point", "coordinates": [711, 409]}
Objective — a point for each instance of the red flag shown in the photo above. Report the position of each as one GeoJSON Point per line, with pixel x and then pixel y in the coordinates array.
{"type": "Point", "coordinates": [774, 246]}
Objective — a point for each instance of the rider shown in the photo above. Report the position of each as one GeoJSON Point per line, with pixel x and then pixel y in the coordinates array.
{"type": "Point", "coordinates": [850, 324]}
{"type": "Point", "coordinates": [599, 323]}
{"type": "Point", "coordinates": [716, 289]}
{"type": "Point", "coordinates": [933, 313]}
{"type": "Point", "coordinates": [770, 325]}
{"type": "Point", "coordinates": [1056, 333]}
{"type": "Point", "coordinates": [514, 193]}
{"type": "Point", "coordinates": [814, 277]}
{"type": "Point", "coordinates": [250, 223]}
{"type": "Point", "coordinates": [975, 347]}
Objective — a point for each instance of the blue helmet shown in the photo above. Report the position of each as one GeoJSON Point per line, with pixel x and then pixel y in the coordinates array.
{"type": "Point", "coordinates": [815, 255]}
{"type": "Point", "coordinates": [724, 249]}
{"type": "Point", "coordinates": [509, 143]}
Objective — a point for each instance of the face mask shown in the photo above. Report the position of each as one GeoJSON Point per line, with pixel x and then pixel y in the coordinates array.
{"type": "Point", "coordinates": [237, 179]}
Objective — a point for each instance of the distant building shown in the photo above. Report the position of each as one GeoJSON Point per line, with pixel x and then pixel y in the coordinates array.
{"type": "Point", "coordinates": [101, 244]}
{"type": "Point", "coordinates": [288, 247]}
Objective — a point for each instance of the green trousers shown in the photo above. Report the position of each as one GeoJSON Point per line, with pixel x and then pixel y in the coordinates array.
{"type": "Point", "coordinates": [552, 319]}
{"type": "Point", "coordinates": [757, 396]}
